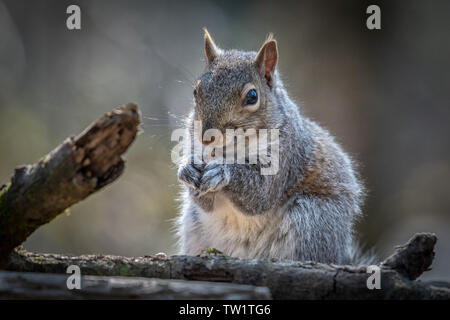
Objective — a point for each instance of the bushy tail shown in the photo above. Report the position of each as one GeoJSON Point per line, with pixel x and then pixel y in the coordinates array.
{"type": "Point", "coordinates": [357, 256]}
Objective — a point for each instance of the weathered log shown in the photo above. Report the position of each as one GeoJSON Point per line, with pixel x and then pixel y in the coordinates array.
{"type": "Point", "coordinates": [285, 279]}
{"type": "Point", "coordinates": [77, 168]}
{"type": "Point", "coordinates": [26, 285]}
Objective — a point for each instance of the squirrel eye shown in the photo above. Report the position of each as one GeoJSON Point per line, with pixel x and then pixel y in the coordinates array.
{"type": "Point", "coordinates": [251, 97]}
{"type": "Point", "coordinates": [195, 92]}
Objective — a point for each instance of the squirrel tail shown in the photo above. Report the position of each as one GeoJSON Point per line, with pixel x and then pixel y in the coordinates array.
{"type": "Point", "coordinates": [357, 256]}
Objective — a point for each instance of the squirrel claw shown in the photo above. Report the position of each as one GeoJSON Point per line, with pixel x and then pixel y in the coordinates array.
{"type": "Point", "coordinates": [190, 176]}
{"type": "Point", "coordinates": [215, 177]}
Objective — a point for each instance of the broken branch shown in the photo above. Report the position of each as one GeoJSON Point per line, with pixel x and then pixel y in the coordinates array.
{"type": "Point", "coordinates": [74, 170]}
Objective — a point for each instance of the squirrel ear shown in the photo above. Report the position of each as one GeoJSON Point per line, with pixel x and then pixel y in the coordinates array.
{"type": "Point", "coordinates": [267, 58]}
{"type": "Point", "coordinates": [211, 50]}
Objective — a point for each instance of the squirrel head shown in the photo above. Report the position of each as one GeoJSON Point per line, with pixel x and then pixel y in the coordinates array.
{"type": "Point", "coordinates": [236, 89]}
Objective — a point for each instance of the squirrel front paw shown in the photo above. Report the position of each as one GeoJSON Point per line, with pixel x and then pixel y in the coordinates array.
{"type": "Point", "coordinates": [190, 173]}
{"type": "Point", "coordinates": [215, 177]}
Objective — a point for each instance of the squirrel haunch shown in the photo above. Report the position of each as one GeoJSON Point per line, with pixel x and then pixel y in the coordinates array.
{"type": "Point", "coordinates": [306, 211]}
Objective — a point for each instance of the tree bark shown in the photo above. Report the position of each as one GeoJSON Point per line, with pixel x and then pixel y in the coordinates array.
{"type": "Point", "coordinates": [74, 170]}
{"type": "Point", "coordinates": [25, 285]}
{"type": "Point", "coordinates": [285, 279]}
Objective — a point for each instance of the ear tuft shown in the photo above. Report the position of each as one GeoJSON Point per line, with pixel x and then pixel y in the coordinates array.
{"type": "Point", "coordinates": [269, 37]}
{"type": "Point", "coordinates": [267, 58]}
{"type": "Point", "coordinates": [211, 50]}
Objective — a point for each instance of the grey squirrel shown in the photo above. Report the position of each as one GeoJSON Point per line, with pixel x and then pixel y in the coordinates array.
{"type": "Point", "coordinates": [306, 211]}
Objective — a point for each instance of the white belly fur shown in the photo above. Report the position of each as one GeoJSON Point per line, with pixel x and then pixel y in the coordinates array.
{"type": "Point", "coordinates": [229, 230]}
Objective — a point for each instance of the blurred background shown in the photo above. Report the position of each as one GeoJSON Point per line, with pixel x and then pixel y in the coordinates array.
{"type": "Point", "coordinates": [384, 94]}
